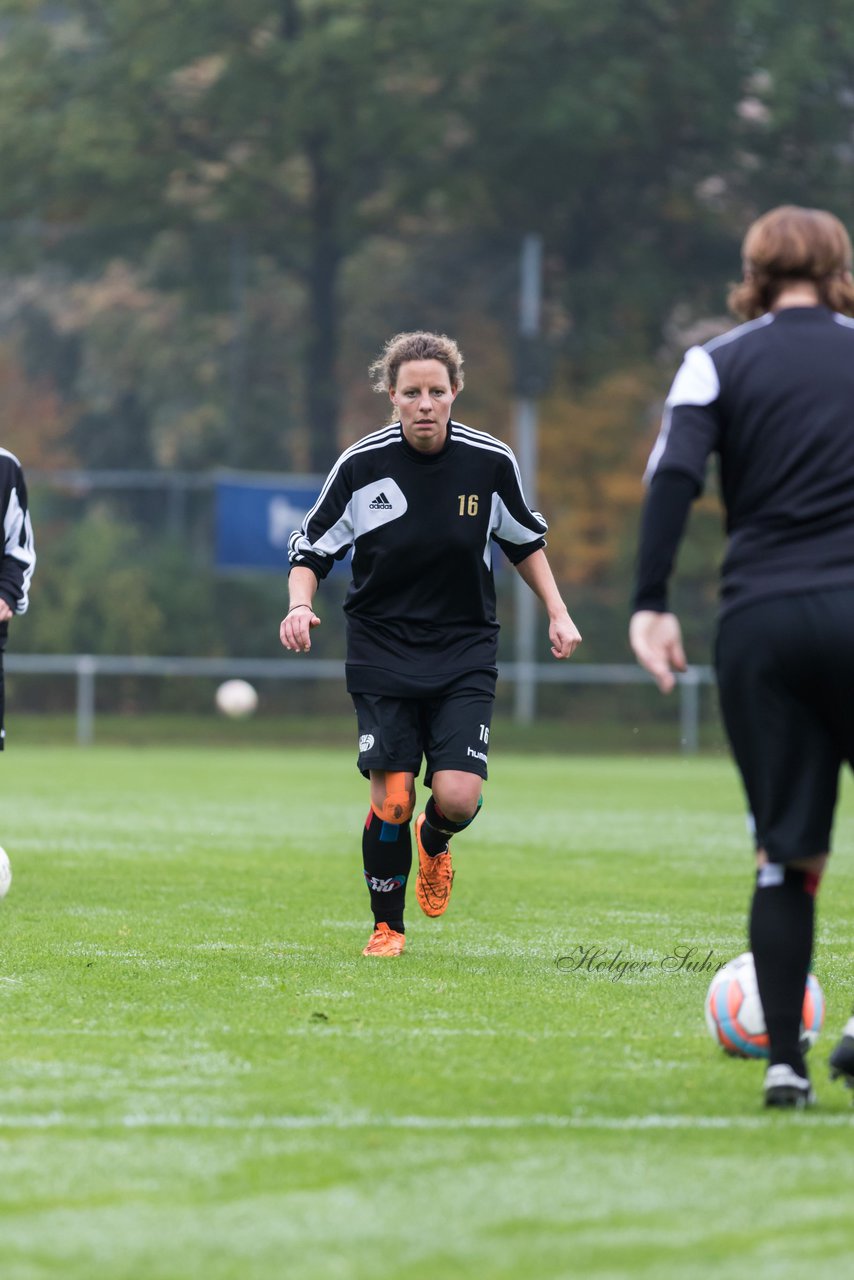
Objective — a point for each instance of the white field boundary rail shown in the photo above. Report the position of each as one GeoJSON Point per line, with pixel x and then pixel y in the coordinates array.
{"type": "Point", "coordinates": [87, 667]}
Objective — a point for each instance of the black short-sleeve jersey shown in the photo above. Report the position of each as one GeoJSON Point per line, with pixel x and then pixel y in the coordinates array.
{"type": "Point", "coordinates": [421, 604]}
{"type": "Point", "coordinates": [774, 400]}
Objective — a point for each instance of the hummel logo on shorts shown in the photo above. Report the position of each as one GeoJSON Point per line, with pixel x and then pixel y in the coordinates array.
{"type": "Point", "coordinates": [380, 503]}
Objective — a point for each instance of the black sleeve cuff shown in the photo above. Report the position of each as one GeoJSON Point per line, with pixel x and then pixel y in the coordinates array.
{"type": "Point", "coordinates": [319, 567]}
{"type": "Point", "coordinates": [516, 552]}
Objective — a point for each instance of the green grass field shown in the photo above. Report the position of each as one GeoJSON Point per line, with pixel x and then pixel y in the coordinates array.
{"type": "Point", "coordinates": [202, 1079]}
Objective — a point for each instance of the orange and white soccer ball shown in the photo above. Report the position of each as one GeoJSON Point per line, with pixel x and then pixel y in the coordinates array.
{"type": "Point", "coordinates": [734, 1011]}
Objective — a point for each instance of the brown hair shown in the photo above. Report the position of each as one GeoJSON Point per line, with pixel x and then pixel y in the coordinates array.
{"type": "Point", "coordinates": [790, 244]}
{"type": "Point", "coordinates": [416, 346]}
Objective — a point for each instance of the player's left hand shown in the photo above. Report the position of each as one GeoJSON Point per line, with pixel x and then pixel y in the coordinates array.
{"type": "Point", "coordinates": [656, 640]}
{"type": "Point", "coordinates": [5, 610]}
{"type": "Point", "coordinates": [564, 635]}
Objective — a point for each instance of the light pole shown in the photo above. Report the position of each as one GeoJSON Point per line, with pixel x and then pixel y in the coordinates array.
{"type": "Point", "coordinates": [529, 368]}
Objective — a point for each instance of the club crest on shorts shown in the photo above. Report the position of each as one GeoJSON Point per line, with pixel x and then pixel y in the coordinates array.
{"type": "Point", "coordinates": [366, 741]}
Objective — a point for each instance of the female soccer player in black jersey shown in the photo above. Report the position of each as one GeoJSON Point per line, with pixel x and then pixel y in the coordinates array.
{"type": "Point", "coordinates": [420, 502]}
{"type": "Point", "coordinates": [774, 400]}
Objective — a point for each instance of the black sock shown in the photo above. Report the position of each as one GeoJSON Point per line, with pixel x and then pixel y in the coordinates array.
{"type": "Point", "coordinates": [387, 858]}
{"type": "Point", "coordinates": [436, 829]}
{"type": "Point", "coordinates": [781, 938]}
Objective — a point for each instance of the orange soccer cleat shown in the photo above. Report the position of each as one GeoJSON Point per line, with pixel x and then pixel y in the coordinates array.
{"type": "Point", "coordinates": [435, 877]}
{"type": "Point", "coordinates": [385, 942]}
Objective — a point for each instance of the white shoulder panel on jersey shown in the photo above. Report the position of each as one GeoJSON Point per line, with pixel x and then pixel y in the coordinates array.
{"type": "Point", "coordinates": [697, 380]}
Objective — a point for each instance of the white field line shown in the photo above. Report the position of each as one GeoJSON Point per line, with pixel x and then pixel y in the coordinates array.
{"type": "Point", "coordinates": [318, 1027]}
{"type": "Point", "coordinates": [289, 1123]}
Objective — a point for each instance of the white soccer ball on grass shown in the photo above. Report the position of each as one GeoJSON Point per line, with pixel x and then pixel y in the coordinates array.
{"type": "Point", "coordinates": [5, 873]}
{"type": "Point", "coordinates": [734, 1012]}
{"type": "Point", "coordinates": [236, 698]}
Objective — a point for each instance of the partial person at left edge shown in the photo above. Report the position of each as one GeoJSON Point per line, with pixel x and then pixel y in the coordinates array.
{"type": "Point", "coordinates": [17, 556]}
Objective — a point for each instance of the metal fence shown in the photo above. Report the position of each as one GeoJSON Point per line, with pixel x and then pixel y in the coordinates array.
{"type": "Point", "coordinates": [86, 668]}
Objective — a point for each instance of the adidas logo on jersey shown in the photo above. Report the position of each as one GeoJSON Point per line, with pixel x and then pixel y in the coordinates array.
{"type": "Point", "coordinates": [380, 503]}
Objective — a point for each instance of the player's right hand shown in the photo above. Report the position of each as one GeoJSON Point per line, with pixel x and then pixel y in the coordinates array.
{"type": "Point", "coordinates": [656, 639]}
{"type": "Point", "coordinates": [296, 627]}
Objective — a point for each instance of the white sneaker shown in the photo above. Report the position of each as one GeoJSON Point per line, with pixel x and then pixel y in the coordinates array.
{"type": "Point", "coordinates": [785, 1088]}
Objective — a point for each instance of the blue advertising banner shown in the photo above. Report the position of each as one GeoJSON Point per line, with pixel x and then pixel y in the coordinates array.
{"type": "Point", "coordinates": [255, 516]}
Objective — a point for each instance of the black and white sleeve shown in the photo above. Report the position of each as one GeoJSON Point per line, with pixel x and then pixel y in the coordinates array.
{"type": "Point", "coordinates": [675, 474]}
{"type": "Point", "coordinates": [18, 559]}
{"type": "Point", "coordinates": [690, 425]}
{"type": "Point", "coordinates": [518, 530]}
{"type": "Point", "coordinates": [326, 533]}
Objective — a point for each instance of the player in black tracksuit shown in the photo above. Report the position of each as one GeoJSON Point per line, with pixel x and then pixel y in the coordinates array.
{"type": "Point", "coordinates": [774, 400]}
{"type": "Point", "coordinates": [17, 555]}
{"type": "Point", "coordinates": [420, 503]}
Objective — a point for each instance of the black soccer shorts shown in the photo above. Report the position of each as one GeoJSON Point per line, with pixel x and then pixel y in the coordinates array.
{"type": "Point", "coordinates": [785, 671]}
{"type": "Point", "coordinates": [450, 730]}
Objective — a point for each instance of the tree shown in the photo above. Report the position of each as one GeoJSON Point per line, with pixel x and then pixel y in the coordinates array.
{"type": "Point", "coordinates": [281, 121]}
{"type": "Point", "coordinates": [637, 136]}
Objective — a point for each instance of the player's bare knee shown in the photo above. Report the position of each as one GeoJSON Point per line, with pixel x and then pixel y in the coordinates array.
{"type": "Point", "coordinates": [393, 798]}
{"type": "Point", "coordinates": [459, 814]}
{"type": "Point", "coordinates": [459, 802]}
